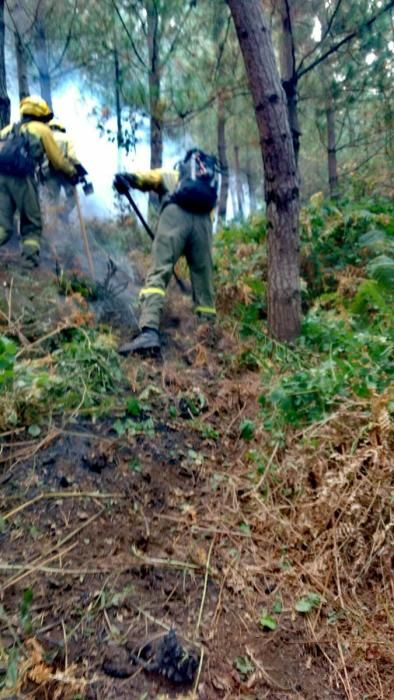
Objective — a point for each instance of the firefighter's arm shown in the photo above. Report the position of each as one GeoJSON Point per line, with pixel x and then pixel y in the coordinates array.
{"type": "Point", "coordinates": [56, 158]}
{"type": "Point", "coordinates": [148, 180]}
{"type": "Point", "coordinates": [4, 132]}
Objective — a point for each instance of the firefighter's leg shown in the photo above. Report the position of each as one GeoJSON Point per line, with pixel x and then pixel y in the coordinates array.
{"type": "Point", "coordinates": [30, 219]}
{"type": "Point", "coordinates": [172, 231]}
{"type": "Point", "coordinates": [199, 257]}
{"type": "Point", "coordinates": [7, 210]}
{"type": "Point", "coordinates": [70, 202]}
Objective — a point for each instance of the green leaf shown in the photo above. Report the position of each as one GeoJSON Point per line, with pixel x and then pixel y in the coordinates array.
{"type": "Point", "coordinates": [11, 677]}
{"type": "Point", "coordinates": [243, 665]}
{"type": "Point", "coordinates": [308, 602]}
{"type": "Point", "coordinates": [247, 429]}
{"type": "Point", "coordinates": [244, 527]}
{"type": "Point", "coordinates": [267, 622]}
{"type": "Point", "coordinates": [34, 430]}
{"type": "Point", "coordinates": [133, 407]}
{"type": "Point", "coordinates": [277, 606]}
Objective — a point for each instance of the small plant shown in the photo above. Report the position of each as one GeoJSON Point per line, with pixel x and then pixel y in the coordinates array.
{"type": "Point", "coordinates": [308, 602]}
{"type": "Point", "coordinates": [247, 429]}
{"type": "Point", "coordinates": [8, 350]}
{"type": "Point", "coordinates": [244, 666]}
{"type": "Point", "coordinates": [267, 622]}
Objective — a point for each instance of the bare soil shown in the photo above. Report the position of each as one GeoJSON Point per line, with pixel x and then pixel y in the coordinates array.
{"type": "Point", "coordinates": [121, 539]}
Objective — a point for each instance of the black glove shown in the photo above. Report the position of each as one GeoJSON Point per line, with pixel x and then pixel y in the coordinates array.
{"type": "Point", "coordinates": [81, 171]}
{"type": "Point", "coordinates": [123, 182]}
{"type": "Point", "coordinates": [74, 179]}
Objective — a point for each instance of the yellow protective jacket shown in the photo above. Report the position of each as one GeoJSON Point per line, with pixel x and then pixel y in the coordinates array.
{"type": "Point", "coordinates": [159, 180]}
{"type": "Point", "coordinates": [46, 145]}
{"type": "Point", "coordinates": [65, 144]}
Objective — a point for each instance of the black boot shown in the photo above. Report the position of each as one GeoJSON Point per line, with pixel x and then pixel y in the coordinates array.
{"type": "Point", "coordinates": [146, 343]}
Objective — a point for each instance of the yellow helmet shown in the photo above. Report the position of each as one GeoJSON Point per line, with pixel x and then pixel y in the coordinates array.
{"type": "Point", "coordinates": [56, 125]}
{"type": "Point", "coordinates": [35, 106]}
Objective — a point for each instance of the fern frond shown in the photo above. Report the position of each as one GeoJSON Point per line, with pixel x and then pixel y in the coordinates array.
{"type": "Point", "coordinates": [381, 269]}
{"type": "Point", "coordinates": [377, 241]}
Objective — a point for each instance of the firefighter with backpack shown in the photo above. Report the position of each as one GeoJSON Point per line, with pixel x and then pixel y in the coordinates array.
{"type": "Point", "coordinates": [22, 148]}
{"type": "Point", "coordinates": [188, 196]}
{"type": "Point", "coordinates": [55, 181]}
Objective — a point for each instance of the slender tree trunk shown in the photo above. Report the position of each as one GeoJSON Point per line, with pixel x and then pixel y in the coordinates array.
{"type": "Point", "coordinates": [21, 64]}
{"type": "Point", "coordinates": [41, 44]}
{"type": "Point", "coordinates": [156, 116]}
{"type": "Point", "coordinates": [281, 181]}
{"type": "Point", "coordinates": [222, 151]}
{"type": "Point", "coordinates": [250, 178]}
{"type": "Point", "coordinates": [5, 106]}
{"type": "Point", "coordinates": [118, 107]}
{"type": "Point", "coordinates": [289, 71]}
{"type": "Point", "coordinates": [332, 150]}
{"type": "Point", "coordinates": [238, 184]}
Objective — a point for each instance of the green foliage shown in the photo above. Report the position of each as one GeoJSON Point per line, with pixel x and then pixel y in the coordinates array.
{"type": "Point", "coordinates": [267, 622]}
{"type": "Point", "coordinates": [82, 373]}
{"type": "Point", "coordinates": [247, 429]}
{"type": "Point", "coordinates": [8, 350]}
{"type": "Point", "coordinates": [347, 337]}
{"type": "Point", "coordinates": [244, 666]}
{"type": "Point", "coordinates": [339, 359]}
{"type": "Point", "coordinates": [25, 611]}
{"type": "Point", "coordinates": [308, 602]}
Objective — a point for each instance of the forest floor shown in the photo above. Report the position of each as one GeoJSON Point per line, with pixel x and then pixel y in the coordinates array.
{"type": "Point", "coordinates": [118, 528]}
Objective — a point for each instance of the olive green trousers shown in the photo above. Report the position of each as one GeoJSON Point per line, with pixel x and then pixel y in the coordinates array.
{"type": "Point", "coordinates": [20, 194]}
{"type": "Point", "coordinates": [179, 233]}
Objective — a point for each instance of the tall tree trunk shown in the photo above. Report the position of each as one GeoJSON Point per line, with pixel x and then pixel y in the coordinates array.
{"type": "Point", "coordinates": [281, 181]}
{"type": "Point", "coordinates": [5, 106]}
{"type": "Point", "coordinates": [289, 71]}
{"type": "Point", "coordinates": [332, 149]}
{"type": "Point", "coordinates": [42, 58]}
{"type": "Point", "coordinates": [155, 105]}
{"type": "Point", "coordinates": [21, 64]}
{"type": "Point", "coordinates": [118, 107]}
{"type": "Point", "coordinates": [222, 151]}
{"type": "Point", "coordinates": [156, 116]}
{"type": "Point", "coordinates": [238, 184]}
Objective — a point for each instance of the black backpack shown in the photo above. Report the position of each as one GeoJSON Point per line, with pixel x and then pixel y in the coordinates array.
{"type": "Point", "coordinates": [197, 189]}
{"type": "Point", "coordinates": [16, 157]}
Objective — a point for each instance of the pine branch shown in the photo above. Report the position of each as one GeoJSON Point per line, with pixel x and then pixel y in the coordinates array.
{"type": "Point", "coordinates": [355, 33]}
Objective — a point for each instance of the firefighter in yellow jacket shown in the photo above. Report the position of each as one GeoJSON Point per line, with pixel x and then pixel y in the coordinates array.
{"type": "Point", "coordinates": [18, 184]}
{"type": "Point", "coordinates": [56, 181]}
{"type": "Point", "coordinates": [188, 195]}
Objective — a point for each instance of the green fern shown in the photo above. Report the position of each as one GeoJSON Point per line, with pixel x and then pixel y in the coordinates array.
{"type": "Point", "coordinates": [377, 241]}
{"type": "Point", "coordinates": [369, 296]}
{"type": "Point", "coordinates": [381, 270]}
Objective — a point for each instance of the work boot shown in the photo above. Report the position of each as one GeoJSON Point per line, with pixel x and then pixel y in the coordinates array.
{"type": "Point", "coordinates": [30, 260]}
{"type": "Point", "coordinates": [146, 343]}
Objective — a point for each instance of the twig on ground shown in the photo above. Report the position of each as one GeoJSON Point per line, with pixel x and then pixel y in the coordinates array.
{"type": "Point", "coordinates": [60, 495]}
{"type": "Point", "coordinates": [207, 569]}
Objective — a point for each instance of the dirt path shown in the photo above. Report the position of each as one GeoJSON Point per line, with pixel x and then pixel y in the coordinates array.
{"type": "Point", "coordinates": [114, 533]}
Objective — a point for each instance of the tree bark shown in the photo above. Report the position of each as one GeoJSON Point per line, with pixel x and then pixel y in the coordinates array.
{"type": "Point", "coordinates": [289, 71]}
{"type": "Point", "coordinates": [156, 116]}
{"type": "Point", "coordinates": [281, 181]}
{"type": "Point", "coordinates": [222, 151]}
{"type": "Point", "coordinates": [5, 105]}
{"type": "Point", "coordinates": [238, 184]}
{"type": "Point", "coordinates": [250, 179]}
{"type": "Point", "coordinates": [21, 64]}
{"type": "Point", "coordinates": [42, 58]}
{"type": "Point", "coordinates": [332, 149]}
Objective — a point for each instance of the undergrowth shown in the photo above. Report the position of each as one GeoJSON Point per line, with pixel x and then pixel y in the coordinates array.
{"type": "Point", "coordinates": [347, 341]}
